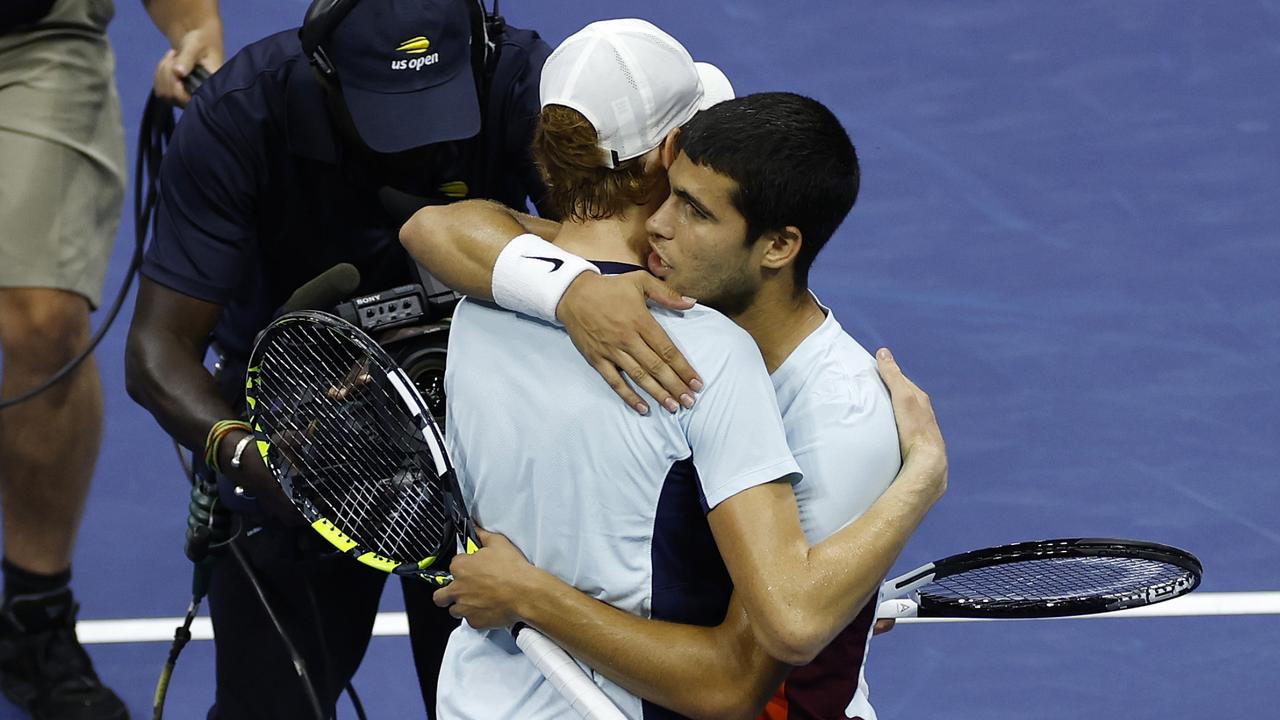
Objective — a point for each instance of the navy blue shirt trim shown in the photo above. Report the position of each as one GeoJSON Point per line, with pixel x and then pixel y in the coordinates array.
{"type": "Point", "coordinates": [609, 267]}
{"type": "Point", "coordinates": [690, 582]}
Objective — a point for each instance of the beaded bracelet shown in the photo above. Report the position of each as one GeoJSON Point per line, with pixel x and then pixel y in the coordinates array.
{"type": "Point", "coordinates": [214, 440]}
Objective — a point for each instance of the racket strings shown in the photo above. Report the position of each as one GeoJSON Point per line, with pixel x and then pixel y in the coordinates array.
{"type": "Point", "coordinates": [360, 508]}
{"type": "Point", "coordinates": [331, 461]}
{"type": "Point", "coordinates": [343, 439]}
{"type": "Point", "coordinates": [1047, 581]}
{"type": "Point", "coordinates": [359, 500]}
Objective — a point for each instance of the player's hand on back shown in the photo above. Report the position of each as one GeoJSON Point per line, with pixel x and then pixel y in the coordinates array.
{"type": "Point", "coordinates": [610, 324]}
{"type": "Point", "coordinates": [488, 584]}
{"type": "Point", "coordinates": [918, 432]}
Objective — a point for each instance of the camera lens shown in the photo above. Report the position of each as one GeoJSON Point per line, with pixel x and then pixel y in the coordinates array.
{"type": "Point", "coordinates": [423, 360]}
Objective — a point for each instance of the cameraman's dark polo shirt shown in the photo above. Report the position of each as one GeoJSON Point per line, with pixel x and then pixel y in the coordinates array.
{"type": "Point", "coordinates": [255, 198]}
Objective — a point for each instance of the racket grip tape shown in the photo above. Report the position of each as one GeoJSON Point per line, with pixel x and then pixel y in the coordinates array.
{"type": "Point", "coordinates": [583, 695]}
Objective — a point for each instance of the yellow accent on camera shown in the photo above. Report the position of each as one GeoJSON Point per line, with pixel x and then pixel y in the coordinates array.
{"type": "Point", "coordinates": [455, 189]}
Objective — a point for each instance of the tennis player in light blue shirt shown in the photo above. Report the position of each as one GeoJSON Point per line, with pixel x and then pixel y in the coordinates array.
{"type": "Point", "coordinates": [610, 501]}
{"type": "Point", "coordinates": [589, 489]}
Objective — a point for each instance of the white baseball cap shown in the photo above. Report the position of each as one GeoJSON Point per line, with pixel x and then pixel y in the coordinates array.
{"type": "Point", "coordinates": [633, 82]}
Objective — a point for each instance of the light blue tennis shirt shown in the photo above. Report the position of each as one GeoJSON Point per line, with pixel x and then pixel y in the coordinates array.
{"type": "Point", "coordinates": [840, 427]}
{"type": "Point", "coordinates": [611, 502]}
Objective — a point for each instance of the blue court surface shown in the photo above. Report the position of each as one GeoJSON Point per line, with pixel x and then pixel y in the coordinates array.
{"type": "Point", "coordinates": [1069, 233]}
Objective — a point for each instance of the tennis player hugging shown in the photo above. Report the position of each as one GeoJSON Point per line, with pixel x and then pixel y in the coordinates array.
{"type": "Point", "coordinates": [718, 556]}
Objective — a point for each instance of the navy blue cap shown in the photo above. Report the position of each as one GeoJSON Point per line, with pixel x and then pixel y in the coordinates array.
{"type": "Point", "coordinates": [405, 69]}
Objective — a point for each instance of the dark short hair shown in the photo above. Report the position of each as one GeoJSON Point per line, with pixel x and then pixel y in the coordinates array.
{"type": "Point", "coordinates": [792, 160]}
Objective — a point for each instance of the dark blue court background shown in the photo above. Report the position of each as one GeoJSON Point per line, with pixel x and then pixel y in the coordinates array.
{"type": "Point", "coordinates": [1068, 232]}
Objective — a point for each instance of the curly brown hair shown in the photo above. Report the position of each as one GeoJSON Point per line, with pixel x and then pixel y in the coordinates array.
{"type": "Point", "coordinates": [579, 186]}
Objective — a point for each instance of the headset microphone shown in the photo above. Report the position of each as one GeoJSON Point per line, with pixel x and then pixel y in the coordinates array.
{"type": "Point", "coordinates": [325, 290]}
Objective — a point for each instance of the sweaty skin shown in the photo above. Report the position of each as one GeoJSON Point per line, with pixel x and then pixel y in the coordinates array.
{"type": "Point", "coordinates": [605, 316]}
{"type": "Point", "coordinates": [797, 597]}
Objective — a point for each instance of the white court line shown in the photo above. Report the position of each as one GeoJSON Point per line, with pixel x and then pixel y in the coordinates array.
{"type": "Point", "coordinates": [395, 623]}
{"type": "Point", "coordinates": [1197, 604]}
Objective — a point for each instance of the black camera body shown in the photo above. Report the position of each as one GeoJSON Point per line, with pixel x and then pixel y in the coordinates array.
{"type": "Point", "coordinates": [404, 305]}
{"type": "Point", "coordinates": [412, 323]}
{"type": "Point", "coordinates": [425, 301]}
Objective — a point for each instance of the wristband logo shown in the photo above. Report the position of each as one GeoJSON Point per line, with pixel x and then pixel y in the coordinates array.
{"type": "Point", "coordinates": [555, 262]}
{"type": "Point", "coordinates": [415, 46]}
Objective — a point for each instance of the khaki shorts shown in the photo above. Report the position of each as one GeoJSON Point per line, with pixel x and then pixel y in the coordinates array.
{"type": "Point", "coordinates": [61, 151]}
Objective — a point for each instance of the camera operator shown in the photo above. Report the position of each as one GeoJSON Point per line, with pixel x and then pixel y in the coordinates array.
{"type": "Point", "coordinates": [273, 176]}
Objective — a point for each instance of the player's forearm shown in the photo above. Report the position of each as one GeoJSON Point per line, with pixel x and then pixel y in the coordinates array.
{"type": "Point", "coordinates": [655, 659]}
{"type": "Point", "coordinates": [859, 556]}
{"type": "Point", "coordinates": [799, 597]}
{"type": "Point", "coordinates": [176, 18]}
{"type": "Point", "coordinates": [460, 243]}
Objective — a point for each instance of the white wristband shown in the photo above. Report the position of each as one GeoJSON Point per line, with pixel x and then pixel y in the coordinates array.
{"type": "Point", "coordinates": [531, 276]}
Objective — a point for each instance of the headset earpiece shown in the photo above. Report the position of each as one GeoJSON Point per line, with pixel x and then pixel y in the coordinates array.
{"type": "Point", "coordinates": [318, 24]}
{"type": "Point", "coordinates": [481, 42]}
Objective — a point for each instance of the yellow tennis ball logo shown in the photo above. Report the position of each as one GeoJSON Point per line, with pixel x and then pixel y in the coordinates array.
{"type": "Point", "coordinates": [415, 46]}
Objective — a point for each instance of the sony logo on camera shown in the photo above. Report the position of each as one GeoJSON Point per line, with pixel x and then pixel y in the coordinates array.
{"type": "Point", "coordinates": [415, 63]}
{"type": "Point", "coordinates": [369, 299]}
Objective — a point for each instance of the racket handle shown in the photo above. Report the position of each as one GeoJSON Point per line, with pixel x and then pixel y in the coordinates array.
{"type": "Point", "coordinates": [897, 608]}
{"type": "Point", "coordinates": [583, 695]}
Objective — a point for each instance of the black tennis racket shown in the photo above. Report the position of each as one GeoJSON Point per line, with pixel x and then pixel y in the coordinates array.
{"type": "Point", "coordinates": [353, 446]}
{"type": "Point", "coordinates": [1043, 579]}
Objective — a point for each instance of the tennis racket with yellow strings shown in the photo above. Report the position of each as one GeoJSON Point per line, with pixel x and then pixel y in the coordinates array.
{"type": "Point", "coordinates": [353, 446]}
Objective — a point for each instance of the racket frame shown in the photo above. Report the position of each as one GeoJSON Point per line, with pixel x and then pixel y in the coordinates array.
{"type": "Point", "coordinates": [560, 669]}
{"type": "Point", "coordinates": [907, 595]}
{"type": "Point", "coordinates": [456, 514]}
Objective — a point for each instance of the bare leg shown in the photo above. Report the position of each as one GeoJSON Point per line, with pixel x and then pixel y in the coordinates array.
{"type": "Point", "coordinates": [49, 444]}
